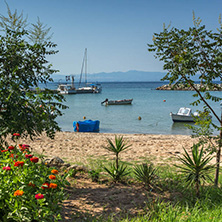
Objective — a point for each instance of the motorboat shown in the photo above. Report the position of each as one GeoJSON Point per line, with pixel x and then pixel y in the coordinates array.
{"type": "Point", "coordinates": [67, 88]}
{"type": "Point", "coordinates": [117, 102]}
{"type": "Point", "coordinates": [185, 114]}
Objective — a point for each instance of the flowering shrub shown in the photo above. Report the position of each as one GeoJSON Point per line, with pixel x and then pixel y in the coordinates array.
{"type": "Point", "coordinates": [29, 190]}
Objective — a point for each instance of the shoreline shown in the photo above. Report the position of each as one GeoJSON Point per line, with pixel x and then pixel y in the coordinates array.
{"type": "Point", "coordinates": [80, 148]}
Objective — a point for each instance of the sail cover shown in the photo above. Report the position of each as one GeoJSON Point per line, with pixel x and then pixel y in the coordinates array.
{"type": "Point", "coordinates": [86, 126]}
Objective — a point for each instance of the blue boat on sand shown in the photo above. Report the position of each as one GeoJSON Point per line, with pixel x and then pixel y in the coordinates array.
{"type": "Point", "coordinates": [86, 126]}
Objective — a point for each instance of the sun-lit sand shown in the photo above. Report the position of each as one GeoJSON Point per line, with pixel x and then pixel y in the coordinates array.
{"type": "Point", "coordinates": [78, 147]}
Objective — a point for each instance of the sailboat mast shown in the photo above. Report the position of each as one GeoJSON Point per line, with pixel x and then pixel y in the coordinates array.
{"type": "Point", "coordinates": [85, 65]}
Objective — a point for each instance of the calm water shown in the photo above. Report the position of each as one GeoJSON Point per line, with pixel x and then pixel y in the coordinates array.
{"type": "Point", "coordinates": [147, 103]}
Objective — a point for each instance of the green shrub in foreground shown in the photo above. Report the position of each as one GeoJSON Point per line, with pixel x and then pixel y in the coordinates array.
{"type": "Point", "coordinates": [28, 190]}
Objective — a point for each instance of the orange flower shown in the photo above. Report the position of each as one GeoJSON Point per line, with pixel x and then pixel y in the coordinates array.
{"type": "Point", "coordinates": [18, 193]}
{"type": "Point", "coordinates": [55, 171]}
{"type": "Point", "coordinates": [52, 177]}
{"type": "Point", "coordinates": [53, 185]}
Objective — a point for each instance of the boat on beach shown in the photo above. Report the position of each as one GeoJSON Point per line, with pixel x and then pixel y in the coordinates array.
{"type": "Point", "coordinates": [117, 102]}
{"type": "Point", "coordinates": [86, 126]}
{"type": "Point", "coordinates": [185, 114]}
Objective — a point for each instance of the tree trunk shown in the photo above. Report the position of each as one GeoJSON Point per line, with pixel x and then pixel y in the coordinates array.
{"type": "Point", "coordinates": [218, 157]}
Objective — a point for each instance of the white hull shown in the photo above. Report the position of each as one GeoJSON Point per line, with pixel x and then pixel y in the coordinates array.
{"type": "Point", "coordinates": [180, 118]}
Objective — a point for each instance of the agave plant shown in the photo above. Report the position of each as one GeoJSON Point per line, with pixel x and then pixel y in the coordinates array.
{"type": "Point", "coordinates": [145, 173]}
{"type": "Point", "coordinates": [196, 167]}
{"type": "Point", "coordinates": [116, 170]}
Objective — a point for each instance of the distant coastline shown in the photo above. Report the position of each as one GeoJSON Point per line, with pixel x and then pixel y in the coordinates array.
{"type": "Point", "coordinates": [183, 87]}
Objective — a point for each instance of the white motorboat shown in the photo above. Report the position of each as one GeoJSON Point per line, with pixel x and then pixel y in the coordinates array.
{"type": "Point", "coordinates": [185, 115]}
{"type": "Point", "coordinates": [67, 88]}
{"type": "Point", "coordinates": [117, 102]}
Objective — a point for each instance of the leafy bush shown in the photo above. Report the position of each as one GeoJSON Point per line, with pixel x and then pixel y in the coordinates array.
{"type": "Point", "coordinates": [29, 190]}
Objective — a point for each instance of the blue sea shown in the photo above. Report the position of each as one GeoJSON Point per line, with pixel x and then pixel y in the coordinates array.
{"type": "Point", "coordinates": [153, 106]}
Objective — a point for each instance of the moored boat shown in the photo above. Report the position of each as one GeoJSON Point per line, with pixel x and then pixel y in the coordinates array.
{"type": "Point", "coordinates": [117, 102]}
{"type": "Point", "coordinates": [185, 114]}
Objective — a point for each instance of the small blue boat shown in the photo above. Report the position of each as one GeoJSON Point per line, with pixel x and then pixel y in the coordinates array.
{"type": "Point", "coordinates": [86, 126]}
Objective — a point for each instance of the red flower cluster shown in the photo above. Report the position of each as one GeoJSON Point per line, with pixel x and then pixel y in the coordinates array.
{"type": "Point", "coordinates": [23, 147]}
{"type": "Point", "coordinates": [11, 148]}
{"type": "Point", "coordinates": [28, 156]}
{"type": "Point", "coordinates": [34, 159]}
{"type": "Point", "coordinates": [45, 186]}
{"type": "Point", "coordinates": [39, 196]}
{"type": "Point", "coordinates": [7, 168]}
{"type": "Point", "coordinates": [16, 134]}
{"type": "Point", "coordinates": [19, 163]}
{"type": "Point", "coordinates": [49, 185]}
{"type": "Point", "coordinates": [13, 156]}
{"type": "Point", "coordinates": [31, 184]}
{"type": "Point", "coordinates": [4, 151]}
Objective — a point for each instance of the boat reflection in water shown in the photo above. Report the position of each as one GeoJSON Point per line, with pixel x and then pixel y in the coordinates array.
{"type": "Point", "coordinates": [181, 128]}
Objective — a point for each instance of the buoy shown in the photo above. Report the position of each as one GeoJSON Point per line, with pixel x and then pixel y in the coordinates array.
{"type": "Point", "coordinates": [164, 100]}
{"type": "Point", "coordinates": [84, 117]}
{"type": "Point", "coordinates": [139, 118]}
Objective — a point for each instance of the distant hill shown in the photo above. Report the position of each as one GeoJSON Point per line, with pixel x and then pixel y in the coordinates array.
{"type": "Point", "coordinates": [130, 76]}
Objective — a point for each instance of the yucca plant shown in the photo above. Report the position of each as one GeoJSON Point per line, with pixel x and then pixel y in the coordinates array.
{"type": "Point", "coordinates": [196, 167]}
{"type": "Point", "coordinates": [116, 170]}
{"type": "Point", "coordinates": [145, 173]}
{"type": "Point", "coordinates": [117, 174]}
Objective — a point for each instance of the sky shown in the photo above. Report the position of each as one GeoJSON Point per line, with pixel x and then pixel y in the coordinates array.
{"type": "Point", "coordinates": [115, 32]}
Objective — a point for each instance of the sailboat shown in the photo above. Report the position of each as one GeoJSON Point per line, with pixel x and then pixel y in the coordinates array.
{"type": "Point", "coordinates": [88, 87]}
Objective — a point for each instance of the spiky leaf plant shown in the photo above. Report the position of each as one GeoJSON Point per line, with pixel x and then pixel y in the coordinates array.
{"type": "Point", "coordinates": [145, 173]}
{"type": "Point", "coordinates": [196, 167]}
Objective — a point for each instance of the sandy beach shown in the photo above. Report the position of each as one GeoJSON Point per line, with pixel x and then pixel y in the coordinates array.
{"type": "Point", "coordinates": [79, 147]}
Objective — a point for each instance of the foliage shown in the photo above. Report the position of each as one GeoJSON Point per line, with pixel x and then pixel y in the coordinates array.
{"type": "Point", "coordinates": [94, 174]}
{"type": "Point", "coordinates": [117, 174]}
{"type": "Point", "coordinates": [194, 52]}
{"type": "Point", "coordinates": [116, 170]}
{"type": "Point", "coordinates": [145, 173]}
{"type": "Point", "coordinates": [29, 190]}
{"type": "Point", "coordinates": [195, 167]}
{"type": "Point", "coordinates": [23, 65]}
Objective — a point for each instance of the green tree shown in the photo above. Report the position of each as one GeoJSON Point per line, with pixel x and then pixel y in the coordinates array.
{"type": "Point", "coordinates": [23, 65]}
{"type": "Point", "coordinates": [189, 53]}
